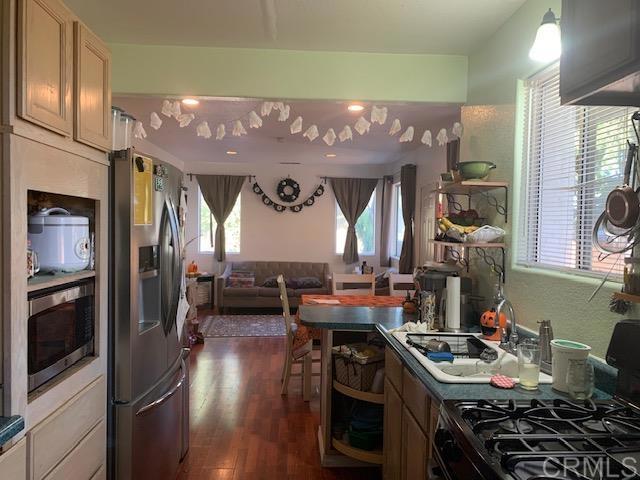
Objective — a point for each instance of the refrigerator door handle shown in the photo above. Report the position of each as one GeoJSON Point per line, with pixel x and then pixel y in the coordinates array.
{"type": "Point", "coordinates": [170, 393]}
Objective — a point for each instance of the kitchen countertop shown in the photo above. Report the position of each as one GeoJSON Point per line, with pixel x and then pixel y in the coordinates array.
{"type": "Point", "coordinates": [9, 427]}
{"type": "Point", "coordinates": [384, 319]}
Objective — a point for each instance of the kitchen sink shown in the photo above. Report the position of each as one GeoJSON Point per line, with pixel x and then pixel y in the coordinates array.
{"type": "Point", "coordinates": [465, 369]}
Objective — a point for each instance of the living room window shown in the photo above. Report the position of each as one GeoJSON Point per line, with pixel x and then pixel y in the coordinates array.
{"type": "Point", "coordinates": [208, 227]}
{"type": "Point", "coordinates": [398, 225]}
{"type": "Point", "coordinates": [573, 156]}
{"type": "Point", "coordinates": [365, 229]}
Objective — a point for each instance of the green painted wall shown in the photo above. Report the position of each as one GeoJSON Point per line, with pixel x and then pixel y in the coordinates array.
{"type": "Point", "coordinates": [493, 132]}
{"type": "Point", "coordinates": [171, 70]}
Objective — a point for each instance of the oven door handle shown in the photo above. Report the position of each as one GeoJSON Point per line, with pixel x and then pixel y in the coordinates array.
{"type": "Point", "coordinates": [167, 395]}
{"type": "Point", "coordinates": [40, 304]}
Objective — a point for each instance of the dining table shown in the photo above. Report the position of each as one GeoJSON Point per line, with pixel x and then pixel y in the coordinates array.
{"type": "Point", "coordinates": [338, 320]}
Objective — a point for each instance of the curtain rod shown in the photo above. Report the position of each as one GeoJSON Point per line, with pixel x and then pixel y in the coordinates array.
{"type": "Point", "coordinates": [191, 175]}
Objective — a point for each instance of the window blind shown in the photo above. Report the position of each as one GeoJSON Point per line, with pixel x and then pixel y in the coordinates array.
{"type": "Point", "coordinates": [573, 156]}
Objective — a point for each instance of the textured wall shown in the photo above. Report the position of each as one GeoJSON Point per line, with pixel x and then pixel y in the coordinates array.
{"type": "Point", "coordinates": [493, 133]}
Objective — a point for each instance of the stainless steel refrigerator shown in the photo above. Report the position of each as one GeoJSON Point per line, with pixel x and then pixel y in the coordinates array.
{"type": "Point", "coordinates": [149, 422]}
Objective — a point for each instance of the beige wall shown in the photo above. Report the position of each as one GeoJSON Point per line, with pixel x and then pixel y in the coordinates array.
{"type": "Point", "coordinates": [267, 235]}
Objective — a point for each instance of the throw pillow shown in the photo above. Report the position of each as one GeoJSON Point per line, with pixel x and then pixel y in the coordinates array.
{"type": "Point", "coordinates": [304, 282]}
{"type": "Point", "coordinates": [241, 279]}
{"type": "Point", "coordinates": [271, 282]}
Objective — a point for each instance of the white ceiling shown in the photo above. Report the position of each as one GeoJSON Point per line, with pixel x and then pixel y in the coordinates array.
{"type": "Point", "coordinates": [273, 143]}
{"type": "Point", "coordinates": [400, 26]}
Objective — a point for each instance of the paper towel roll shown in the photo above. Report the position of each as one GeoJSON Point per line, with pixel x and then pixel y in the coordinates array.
{"type": "Point", "coordinates": [453, 303]}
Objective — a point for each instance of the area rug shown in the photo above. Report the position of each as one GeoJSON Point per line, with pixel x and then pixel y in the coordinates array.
{"type": "Point", "coordinates": [243, 326]}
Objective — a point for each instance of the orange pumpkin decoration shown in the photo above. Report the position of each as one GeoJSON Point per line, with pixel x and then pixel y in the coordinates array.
{"type": "Point", "coordinates": [488, 325]}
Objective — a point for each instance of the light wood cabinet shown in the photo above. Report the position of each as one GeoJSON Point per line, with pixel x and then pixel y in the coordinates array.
{"type": "Point", "coordinates": [45, 64]}
{"type": "Point", "coordinates": [13, 463]}
{"type": "Point", "coordinates": [92, 68]}
{"type": "Point", "coordinates": [600, 61]}
{"type": "Point", "coordinates": [415, 448]}
{"type": "Point", "coordinates": [392, 461]}
{"type": "Point", "coordinates": [410, 420]}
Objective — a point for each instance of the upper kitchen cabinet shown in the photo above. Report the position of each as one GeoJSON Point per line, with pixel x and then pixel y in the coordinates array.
{"type": "Point", "coordinates": [92, 90]}
{"type": "Point", "coordinates": [600, 63]}
{"type": "Point", "coordinates": [45, 64]}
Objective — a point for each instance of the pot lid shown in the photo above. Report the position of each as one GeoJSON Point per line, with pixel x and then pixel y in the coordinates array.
{"type": "Point", "coordinates": [57, 216]}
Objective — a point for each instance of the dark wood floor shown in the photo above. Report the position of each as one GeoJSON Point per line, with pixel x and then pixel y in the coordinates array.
{"type": "Point", "coordinates": [241, 427]}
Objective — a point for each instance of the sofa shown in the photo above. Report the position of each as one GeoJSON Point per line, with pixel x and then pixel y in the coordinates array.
{"type": "Point", "coordinates": [259, 296]}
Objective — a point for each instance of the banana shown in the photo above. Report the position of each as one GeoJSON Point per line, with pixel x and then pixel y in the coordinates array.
{"type": "Point", "coordinates": [447, 224]}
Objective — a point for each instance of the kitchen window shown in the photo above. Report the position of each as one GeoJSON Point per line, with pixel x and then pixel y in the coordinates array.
{"type": "Point", "coordinates": [365, 229]}
{"type": "Point", "coordinates": [573, 156]}
{"type": "Point", "coordinates": [208, 227]}
{"type": "Point", "coordinates": [398, 226]}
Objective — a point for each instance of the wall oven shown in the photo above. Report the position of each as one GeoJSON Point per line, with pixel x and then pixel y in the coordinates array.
{"type": "Point", "coordinates": [60, 329]}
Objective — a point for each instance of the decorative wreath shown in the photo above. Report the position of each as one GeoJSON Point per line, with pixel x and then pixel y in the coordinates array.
{"type": "Point", "coordinates": [288, 190]}
{"type": "Point", "coordinates": [318, 192]}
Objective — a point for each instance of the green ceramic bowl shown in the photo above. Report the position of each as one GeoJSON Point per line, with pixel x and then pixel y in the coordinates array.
{"type": "Point", "coordinates": [475, 170]}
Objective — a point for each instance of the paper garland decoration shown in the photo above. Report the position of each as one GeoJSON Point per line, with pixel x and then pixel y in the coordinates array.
{"type": "Point", "coordinates": [311, 133]}
{"type": "Point", "coordinates": [138, 130]}
{"type": "Point", "coordinates": [184, 119]}
{"type": "Point", "coordinates": [345, 134]}
{"type": "Point", "coordinates": [220, 132]}
{"type": "Point", "coordinates": [426, 138]}
{"type": "Point", "coordinates": [407, 136]}
{"type": "Point", "coordinates": [296, 126]}
{"type": "Point", "coordinates": [254, 120]}
{"type": "Point", "coordinates": [329, 137]}
{"type": "Point", "coordinates": [238, 129]}
{"type": "Point", "coordinates": [282, 190]}
{"type": "Point", "coordinates": [378, 115]}
{"type": "Point", "coordinates": [155, 121]}
{"type": "Point", "coordinates": [442, 137]}
{"type": "Point", "coordinates": [362, 126]}
{"type": "Point", "coordinates": [457, 129]}
{"type": "Point", "coordinates": [395, 127]}
{"type": "Point", "coordinates": [203, 130]}
{"type": "Point", "coordinates": [266, 108]}
{"type": "Point", "coordinates": [319, 191]}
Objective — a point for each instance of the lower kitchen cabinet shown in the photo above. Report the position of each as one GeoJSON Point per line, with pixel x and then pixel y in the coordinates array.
{"type": "Point", "coordinates": [410, 419]}
{"type": "Point", "coordinates": [13, 463]}
{"type": "Point", "coordinates": [392, 461]}
{"type": "Point", "coordinates": [415, 448]}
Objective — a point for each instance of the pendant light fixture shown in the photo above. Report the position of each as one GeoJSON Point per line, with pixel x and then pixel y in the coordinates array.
{"type": "Point", "coordinates": [546, 47]}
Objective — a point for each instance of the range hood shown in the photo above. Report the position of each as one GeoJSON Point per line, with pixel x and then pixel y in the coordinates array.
{"type": "Point", "coordinates": [600, 63]}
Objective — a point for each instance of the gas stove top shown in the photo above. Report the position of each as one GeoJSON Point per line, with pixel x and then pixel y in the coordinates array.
{"type": "Point", "coordinates": [536, 440]}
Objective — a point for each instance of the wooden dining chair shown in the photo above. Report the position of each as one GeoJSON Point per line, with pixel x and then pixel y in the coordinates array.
{"type": "Point", "coordinates": [339, 280]}
{"type": "Point", "coordinates": [398, 282]}
{"type": "Point", "coordinates": [302, 355]}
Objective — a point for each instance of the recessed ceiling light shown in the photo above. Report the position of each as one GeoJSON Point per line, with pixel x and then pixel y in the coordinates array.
{"type": "Point", "coordinates": [190, 101]}
{"type": "Point", "coordinates": [231, 152]}
{"type": "Point", "coordinates": [329, 155]}
{"type": "Point", "coordinates": [355, 107]}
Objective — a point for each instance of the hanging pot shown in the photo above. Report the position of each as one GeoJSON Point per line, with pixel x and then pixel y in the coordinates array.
{"type": "Point", "coordinates": [623, 206]}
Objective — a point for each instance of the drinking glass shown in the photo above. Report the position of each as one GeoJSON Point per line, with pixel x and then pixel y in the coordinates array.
{"type": "Point", "coordinates": [580, 379]}
{"type": "Point", "coordinates": [529, 365]}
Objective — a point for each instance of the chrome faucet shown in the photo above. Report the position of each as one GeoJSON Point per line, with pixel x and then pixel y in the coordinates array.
{"type": "Point", "coordinates": [510, 342]}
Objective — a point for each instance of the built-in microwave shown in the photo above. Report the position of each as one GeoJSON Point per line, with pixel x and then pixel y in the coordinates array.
{"type": "Point", "coordinates": [61, 329]}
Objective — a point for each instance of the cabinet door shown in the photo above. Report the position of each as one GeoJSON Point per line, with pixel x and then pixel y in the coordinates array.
{"type": "Point", "coordinates": [415, 458]}
{"type": "Point", "coordinates": [600, 45]}
{"type": "Point", "coordinates": [392, 461]}
{"type": "Point", "coordinates": [92, 90]}
{"type": "Point", "coordinates": [13, 462]}
{"type": "Point", "coordinates": [45, 59]}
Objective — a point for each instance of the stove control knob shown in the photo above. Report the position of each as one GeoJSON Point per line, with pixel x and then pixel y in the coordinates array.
{"type": "Point", "coordinates": [447, 446]}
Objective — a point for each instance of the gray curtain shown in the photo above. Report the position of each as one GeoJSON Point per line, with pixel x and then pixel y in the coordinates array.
{"type": "Point", "coordinates": [386, 217]}
{"type": "Point", "coordinates": [352, 195]}
{"type": "Point", "coordinates": [220, 192]}
{"type": "Point", "coordinates": [408, 190]}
